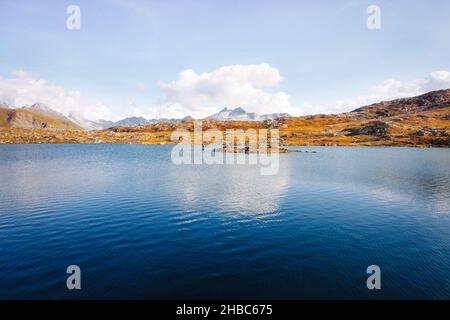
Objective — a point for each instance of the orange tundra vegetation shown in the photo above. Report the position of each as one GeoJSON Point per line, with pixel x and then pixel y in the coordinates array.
{"type": "Point", "coordinates": [422, 121]}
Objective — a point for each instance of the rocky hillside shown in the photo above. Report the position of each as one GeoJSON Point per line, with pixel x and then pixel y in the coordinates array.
{"type": "Point", "coordinates": [422, 121]}
{"type": "Point", "coordinates": [406, 106]}
{"type": "Point", "coordinates": [37, 116]}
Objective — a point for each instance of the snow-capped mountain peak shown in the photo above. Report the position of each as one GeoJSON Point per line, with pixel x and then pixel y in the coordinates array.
{"type": "Point", "coordinates": [5, 105]}
{"type": "Point", "coordinates": [239, 113]}
{"type": "Point", "coordinates": [43, 108]}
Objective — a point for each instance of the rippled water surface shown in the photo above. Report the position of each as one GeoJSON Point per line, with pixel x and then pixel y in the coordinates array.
{"type": "Point", "coordinates": [141, 227]}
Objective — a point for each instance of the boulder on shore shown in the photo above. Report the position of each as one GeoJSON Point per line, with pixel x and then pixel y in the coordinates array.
{"type": "Point", "coordinates": [377, 128]}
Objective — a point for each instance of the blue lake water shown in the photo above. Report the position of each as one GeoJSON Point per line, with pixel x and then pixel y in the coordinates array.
{"type": "Point", "coordinates": [141, 227]}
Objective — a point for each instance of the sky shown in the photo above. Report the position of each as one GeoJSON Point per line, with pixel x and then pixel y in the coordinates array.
{"type": "Point", "coordinates": [177, 58]}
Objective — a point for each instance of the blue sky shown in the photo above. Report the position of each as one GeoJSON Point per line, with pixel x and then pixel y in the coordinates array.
{"type": "Point", "coordinates": [327, 57]}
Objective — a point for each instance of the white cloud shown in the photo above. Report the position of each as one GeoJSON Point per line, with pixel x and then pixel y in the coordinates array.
{"type": "Point", "coordinates": [252, 87]}
{"type": "Point", "coordinates": [201, 94]}
{"type": "Point", "coordinates": [26, 89]}
{"type": "Point", "coordinates": [247, 86]}
{"type": "Point", "coordinates": [387, 90]}
{"type": "Point", "coordinates": [436, 80]}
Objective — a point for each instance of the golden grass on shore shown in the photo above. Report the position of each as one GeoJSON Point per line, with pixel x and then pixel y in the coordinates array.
{"type": "Point", "coordinates": [423, 129]}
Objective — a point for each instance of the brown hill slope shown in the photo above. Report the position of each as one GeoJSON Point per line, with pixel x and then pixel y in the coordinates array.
{"type": "Point", "coordinates": [29, 118]}
{"type": "Point", "coordinates": [428, 101]}
{"type": "Point", "coordinates": [425, 128]}
{"type": "Point", "coordinates": [421, 121]}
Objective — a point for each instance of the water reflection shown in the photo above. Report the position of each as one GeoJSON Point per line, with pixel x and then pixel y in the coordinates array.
{"type": "Point", "coordinates": [240, 188]}
{"type": "Point", "coordinates": [146, 228]}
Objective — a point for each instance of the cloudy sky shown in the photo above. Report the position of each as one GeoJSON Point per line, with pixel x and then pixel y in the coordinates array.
{"type": "Point", "coordinates": [177, 58]}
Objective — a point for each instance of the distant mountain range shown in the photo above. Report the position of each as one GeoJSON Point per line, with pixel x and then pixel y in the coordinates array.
{"type": "Point", "coordinates": [223, 115]}
{"type": "Point", "coordinates": [89, 124]}
{"type": "Point", "coordinates": [141, 121]}
{"type": "Point", "coordinates": [79, 122]}
{"type": "Point", "coordinates": [421, 121]}
{"type": "Point", "coordinates": [240, 114]}
{"type": "Point", "coordinates": [384, 116]}
{"type": "Point", "coordinates": [237, 114]}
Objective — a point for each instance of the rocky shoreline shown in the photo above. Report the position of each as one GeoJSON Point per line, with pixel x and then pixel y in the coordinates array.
{"type": "Point", "coordinates": [421, 121]}
{"type": "Point", "coordinates": [423, 138]}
